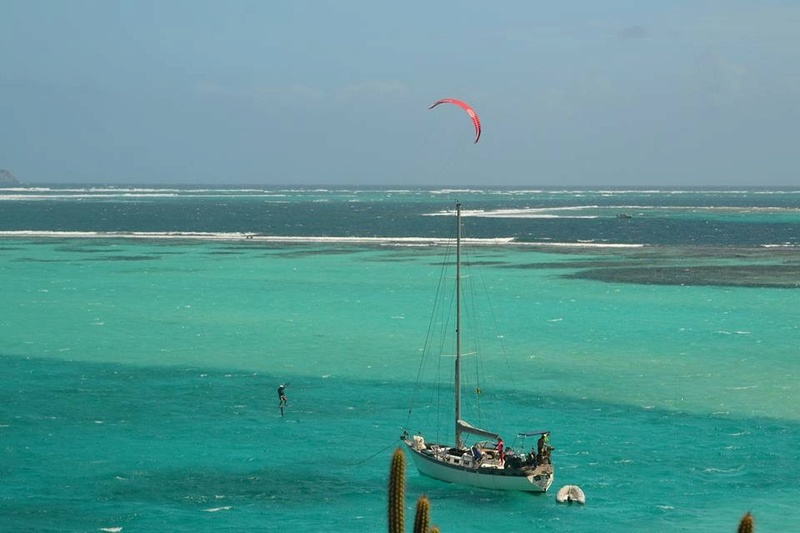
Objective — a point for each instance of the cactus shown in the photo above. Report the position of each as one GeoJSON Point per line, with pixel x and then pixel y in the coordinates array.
{"type": "Point", "coordinates": [397, 497]}
{"type": "Point", "coordinates": [747, 525]}
{"type": "Point", "coordinates": [397, 490]}
{"type": "Point", "coordinates": [423, 518]}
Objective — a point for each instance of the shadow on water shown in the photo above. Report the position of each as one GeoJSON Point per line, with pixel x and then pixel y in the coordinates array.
{"type": "Point", "coordinates": [756, 276]}
{"type": "Point", "coordinates": [110, 444]}
{"type": "Point", "coordinates": [686, 266]}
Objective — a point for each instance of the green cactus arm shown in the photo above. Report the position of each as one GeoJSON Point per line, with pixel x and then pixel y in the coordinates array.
{"type": "Point", "coordinates": [397, 492]}
{"type": "Point", "coordinates": [747, 525]}
{"type": "Point", "coordinates": [423, 518]}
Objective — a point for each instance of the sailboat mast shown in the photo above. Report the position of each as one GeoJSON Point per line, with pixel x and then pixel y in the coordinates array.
{"type": "Point", "coordinates": [459, 440]}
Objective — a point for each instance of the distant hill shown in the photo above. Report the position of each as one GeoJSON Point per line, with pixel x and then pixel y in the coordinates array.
{"type": "Point", "coordinates": [6, 178]}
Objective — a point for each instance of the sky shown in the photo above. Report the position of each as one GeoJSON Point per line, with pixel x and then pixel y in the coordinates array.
{"type": "Point", "coordinates": [300, 92]}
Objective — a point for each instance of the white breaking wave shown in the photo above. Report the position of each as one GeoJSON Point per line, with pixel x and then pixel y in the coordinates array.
{"type": "Point", "coordinates": [543, 212]}
{"type": "Point", "coordinates": [250, 237]}
{"type": "Point", "coordinates": [237, 236]}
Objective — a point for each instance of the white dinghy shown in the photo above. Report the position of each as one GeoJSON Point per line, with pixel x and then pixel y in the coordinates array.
{"type": "Point", "coordinates": [570, 493]}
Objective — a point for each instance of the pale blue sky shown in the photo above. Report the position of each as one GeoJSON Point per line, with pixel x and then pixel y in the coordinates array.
{"type": "Point", "coordinates": [572, 93]}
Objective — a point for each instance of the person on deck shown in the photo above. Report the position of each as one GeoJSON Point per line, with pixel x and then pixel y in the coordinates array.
{"type": "Point", "coordinates": [501, 449]}
{"type": "Point", "coordinates": [476, 454]}
{"type": "Point", "coordinates": [532, 459]}
{"type": "Point", "coordinates": [540, 444]}
{"type": "Point", "coordinates": [544, 449]}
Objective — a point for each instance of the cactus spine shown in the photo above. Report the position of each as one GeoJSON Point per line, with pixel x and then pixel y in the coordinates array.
{"type": "Point", "coordinates": [397, 492]}
{"type": "Point", "coordinates": [423, 517]}
{"type": "Point", "coordinates": [747, 525]}
{"type": "Point", "coordinates": [397, 498]}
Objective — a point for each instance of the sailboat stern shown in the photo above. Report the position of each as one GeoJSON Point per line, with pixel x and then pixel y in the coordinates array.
{"type": "Point", "coordinates": [542, 477]}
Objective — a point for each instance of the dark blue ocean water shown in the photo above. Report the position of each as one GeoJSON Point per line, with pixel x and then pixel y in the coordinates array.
{"type": "Point", "coordinates": [143, 335]}
{"type": "Point", "coordinates": [669, 217]}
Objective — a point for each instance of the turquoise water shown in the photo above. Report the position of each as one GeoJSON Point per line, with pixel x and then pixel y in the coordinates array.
{"type": "Point", "coordinates": [140, 376]}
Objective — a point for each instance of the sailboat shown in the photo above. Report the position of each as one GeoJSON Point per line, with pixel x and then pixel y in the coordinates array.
{"type": "Point", "coordinates": [484, 463]}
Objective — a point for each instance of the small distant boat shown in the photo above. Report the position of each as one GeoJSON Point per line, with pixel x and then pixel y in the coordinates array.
{"type": "Point", "coordinates": [570, 493]}
{"type": "Point", "coordinates": [486, 464]}
{"type": "Point", "coordinates": [623, 215]}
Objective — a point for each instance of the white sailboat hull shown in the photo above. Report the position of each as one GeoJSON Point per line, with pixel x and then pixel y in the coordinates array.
{"type": "Point", "coordinates": [449, 468]}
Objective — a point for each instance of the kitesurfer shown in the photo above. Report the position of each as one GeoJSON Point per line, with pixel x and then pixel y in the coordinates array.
{"type": "Point", "coordinates": [282, 395]}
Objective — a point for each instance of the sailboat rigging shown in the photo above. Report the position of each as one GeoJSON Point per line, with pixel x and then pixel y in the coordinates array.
{"type": "Point", "coordinates": [485, 464]}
